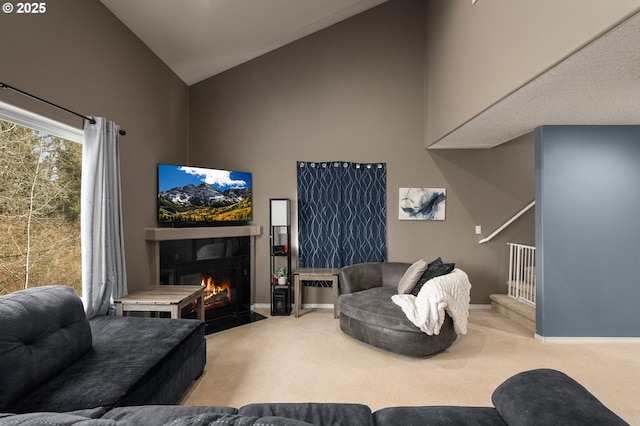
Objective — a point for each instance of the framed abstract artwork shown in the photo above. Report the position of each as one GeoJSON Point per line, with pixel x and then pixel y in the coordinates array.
{"type": "Point", "coordinates": [422, 203]}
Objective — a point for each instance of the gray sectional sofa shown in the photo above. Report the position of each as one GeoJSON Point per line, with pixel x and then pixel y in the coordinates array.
{"type": "Point", "coordinates": [52, 358]}
{"type": "Point", "coordinates": [532, 398]}
{"type": "Point", "coordinates": [59, 369]}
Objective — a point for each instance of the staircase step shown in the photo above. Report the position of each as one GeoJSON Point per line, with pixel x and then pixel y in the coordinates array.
{"type": "Point", "coordinates": [520, 312]}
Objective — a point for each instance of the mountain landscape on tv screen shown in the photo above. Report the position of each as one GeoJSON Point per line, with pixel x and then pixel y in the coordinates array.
{"type": "Point", "coordinates": [204, 203]}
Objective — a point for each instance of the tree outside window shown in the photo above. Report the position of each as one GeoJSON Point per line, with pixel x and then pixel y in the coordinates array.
{"type": "Point", "coordinates": [40, 179]}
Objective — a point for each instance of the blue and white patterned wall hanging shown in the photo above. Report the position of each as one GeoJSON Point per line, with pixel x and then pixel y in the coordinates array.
{"type": "Point", "coordinates": [422, 203]}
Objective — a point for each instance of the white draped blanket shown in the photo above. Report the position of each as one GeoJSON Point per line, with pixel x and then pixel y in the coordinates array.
{"type": "Point", "coordinates": [450, 293]}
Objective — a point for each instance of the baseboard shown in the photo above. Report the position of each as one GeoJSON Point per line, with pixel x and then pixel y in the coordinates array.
{"type": "Point", "coordinates": [293, 306]}
{"type": "Point", "coordinates": [330, 306]}
{"type": "Point", "coordinates": [480, 306]}
{"type": "Point", "coordinates": [553, 339]}
{"type": "Point", "coordinates": [316, 306]}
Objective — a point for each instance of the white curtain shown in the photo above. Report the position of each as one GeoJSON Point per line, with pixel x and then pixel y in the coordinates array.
{"type": "Point", "coordinates": [103, 267]}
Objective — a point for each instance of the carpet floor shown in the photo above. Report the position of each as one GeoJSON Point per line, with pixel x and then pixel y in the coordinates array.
{"type": "Point", "coordinates": [308, 359]}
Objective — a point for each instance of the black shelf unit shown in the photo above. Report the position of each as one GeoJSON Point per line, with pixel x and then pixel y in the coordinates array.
{"type": "Point", "coordinates": [280, 254]}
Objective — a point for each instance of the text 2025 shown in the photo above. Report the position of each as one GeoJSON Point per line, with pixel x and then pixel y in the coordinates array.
{"type": "Point", "coordinates": [31, 7]}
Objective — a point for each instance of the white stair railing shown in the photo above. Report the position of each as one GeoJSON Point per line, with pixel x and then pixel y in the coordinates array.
{"type": "Point", "coordinates": [507, 223]}
{"type": "Point", "coordinates": [522, 273]}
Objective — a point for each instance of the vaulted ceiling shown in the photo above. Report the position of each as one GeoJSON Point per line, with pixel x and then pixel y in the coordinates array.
{"type": "Point", "coordinates": [200, 38]}
{"type": "Point", "coordinates": [598, 84]}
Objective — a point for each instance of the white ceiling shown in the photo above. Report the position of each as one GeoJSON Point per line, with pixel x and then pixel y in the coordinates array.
{"type": "Point", "coordinates": [599, 84]}
{"type": "Point", "coordinates": [200, 38]}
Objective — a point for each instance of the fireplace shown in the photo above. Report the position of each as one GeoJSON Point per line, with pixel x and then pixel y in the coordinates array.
{"type": "Point", "coordinates": [220, 265]}
{"type": "Point", "coordinates": [222, 282]}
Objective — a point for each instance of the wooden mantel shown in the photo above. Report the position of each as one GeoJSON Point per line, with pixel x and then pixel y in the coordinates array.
{"type": "Point", "coordinates": [153, 236]}
{"type": "Point", "coordinates": [194, 233]}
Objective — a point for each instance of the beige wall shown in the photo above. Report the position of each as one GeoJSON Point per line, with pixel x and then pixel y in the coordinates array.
{"type": "Point", "coordinates": [351, 92]}
{"type": "Point", "coordinates": [354, 92]}
{"type": "Point", "coordinates": [80, 56]}
{"type": "Point", "coordinates": [478, 54]}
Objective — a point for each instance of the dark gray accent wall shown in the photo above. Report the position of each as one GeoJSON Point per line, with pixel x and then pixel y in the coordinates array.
{"type": "Point", "coordinates": [587, 231]}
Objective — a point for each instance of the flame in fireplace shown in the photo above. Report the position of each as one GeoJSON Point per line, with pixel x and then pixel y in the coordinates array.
{"type": "Point", "coordinates": [215, 295]}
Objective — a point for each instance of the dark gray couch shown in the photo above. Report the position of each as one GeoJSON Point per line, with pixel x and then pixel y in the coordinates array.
{"type": "Point", "coordinates": [53, 359]}
{"type": "Point", "coordinates": [537, 397]}
{"type": "Point", "coordinates": [368, 314]}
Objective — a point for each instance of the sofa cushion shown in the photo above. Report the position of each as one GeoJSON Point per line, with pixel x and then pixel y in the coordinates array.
{"type": "Point", "coordinates": [218, 419]}
{"type": "Point", "coordinates": [549, 397]}
{"type": "Point", "coordinates": [314, 413]}
{"type": "Point", "coordinates": [53, 419]}
{"type": "Point", "coordinates": [374, 306]}
{"type": "Point", "coordinates": [43, 330]}
{"type": "Point", "coordinates": [131, 359]}
{"type": "Point", "coordinates": [434, 269]}
{"type": "Point", "coordinates": [438, 416]}
{"type": "Point", "coordinates": [411, 276]}
{"type": "Point", "coordinates": [161, 414]}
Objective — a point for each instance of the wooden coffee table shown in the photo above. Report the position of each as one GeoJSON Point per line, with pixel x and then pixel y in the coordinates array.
{"type": "Point", "coordinates": [162, 298]}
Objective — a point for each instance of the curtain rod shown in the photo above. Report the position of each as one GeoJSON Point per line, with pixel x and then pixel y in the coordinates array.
{"type": "Point", "coordinates": [90, 119]}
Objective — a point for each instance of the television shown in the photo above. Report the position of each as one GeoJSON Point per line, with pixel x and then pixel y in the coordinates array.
{"type": "Point", "coordinates": [189, 196]}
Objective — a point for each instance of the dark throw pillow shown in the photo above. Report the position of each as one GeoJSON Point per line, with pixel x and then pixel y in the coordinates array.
{"type": "Point", "coordinates": [435, 269]}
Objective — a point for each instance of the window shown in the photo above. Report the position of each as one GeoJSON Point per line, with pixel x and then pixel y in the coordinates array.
{"type": "Point", "coordinates": [40, 176]}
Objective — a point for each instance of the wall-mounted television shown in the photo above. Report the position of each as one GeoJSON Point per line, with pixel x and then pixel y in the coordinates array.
{"type": "Point", "coordinates": [190, 196]}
